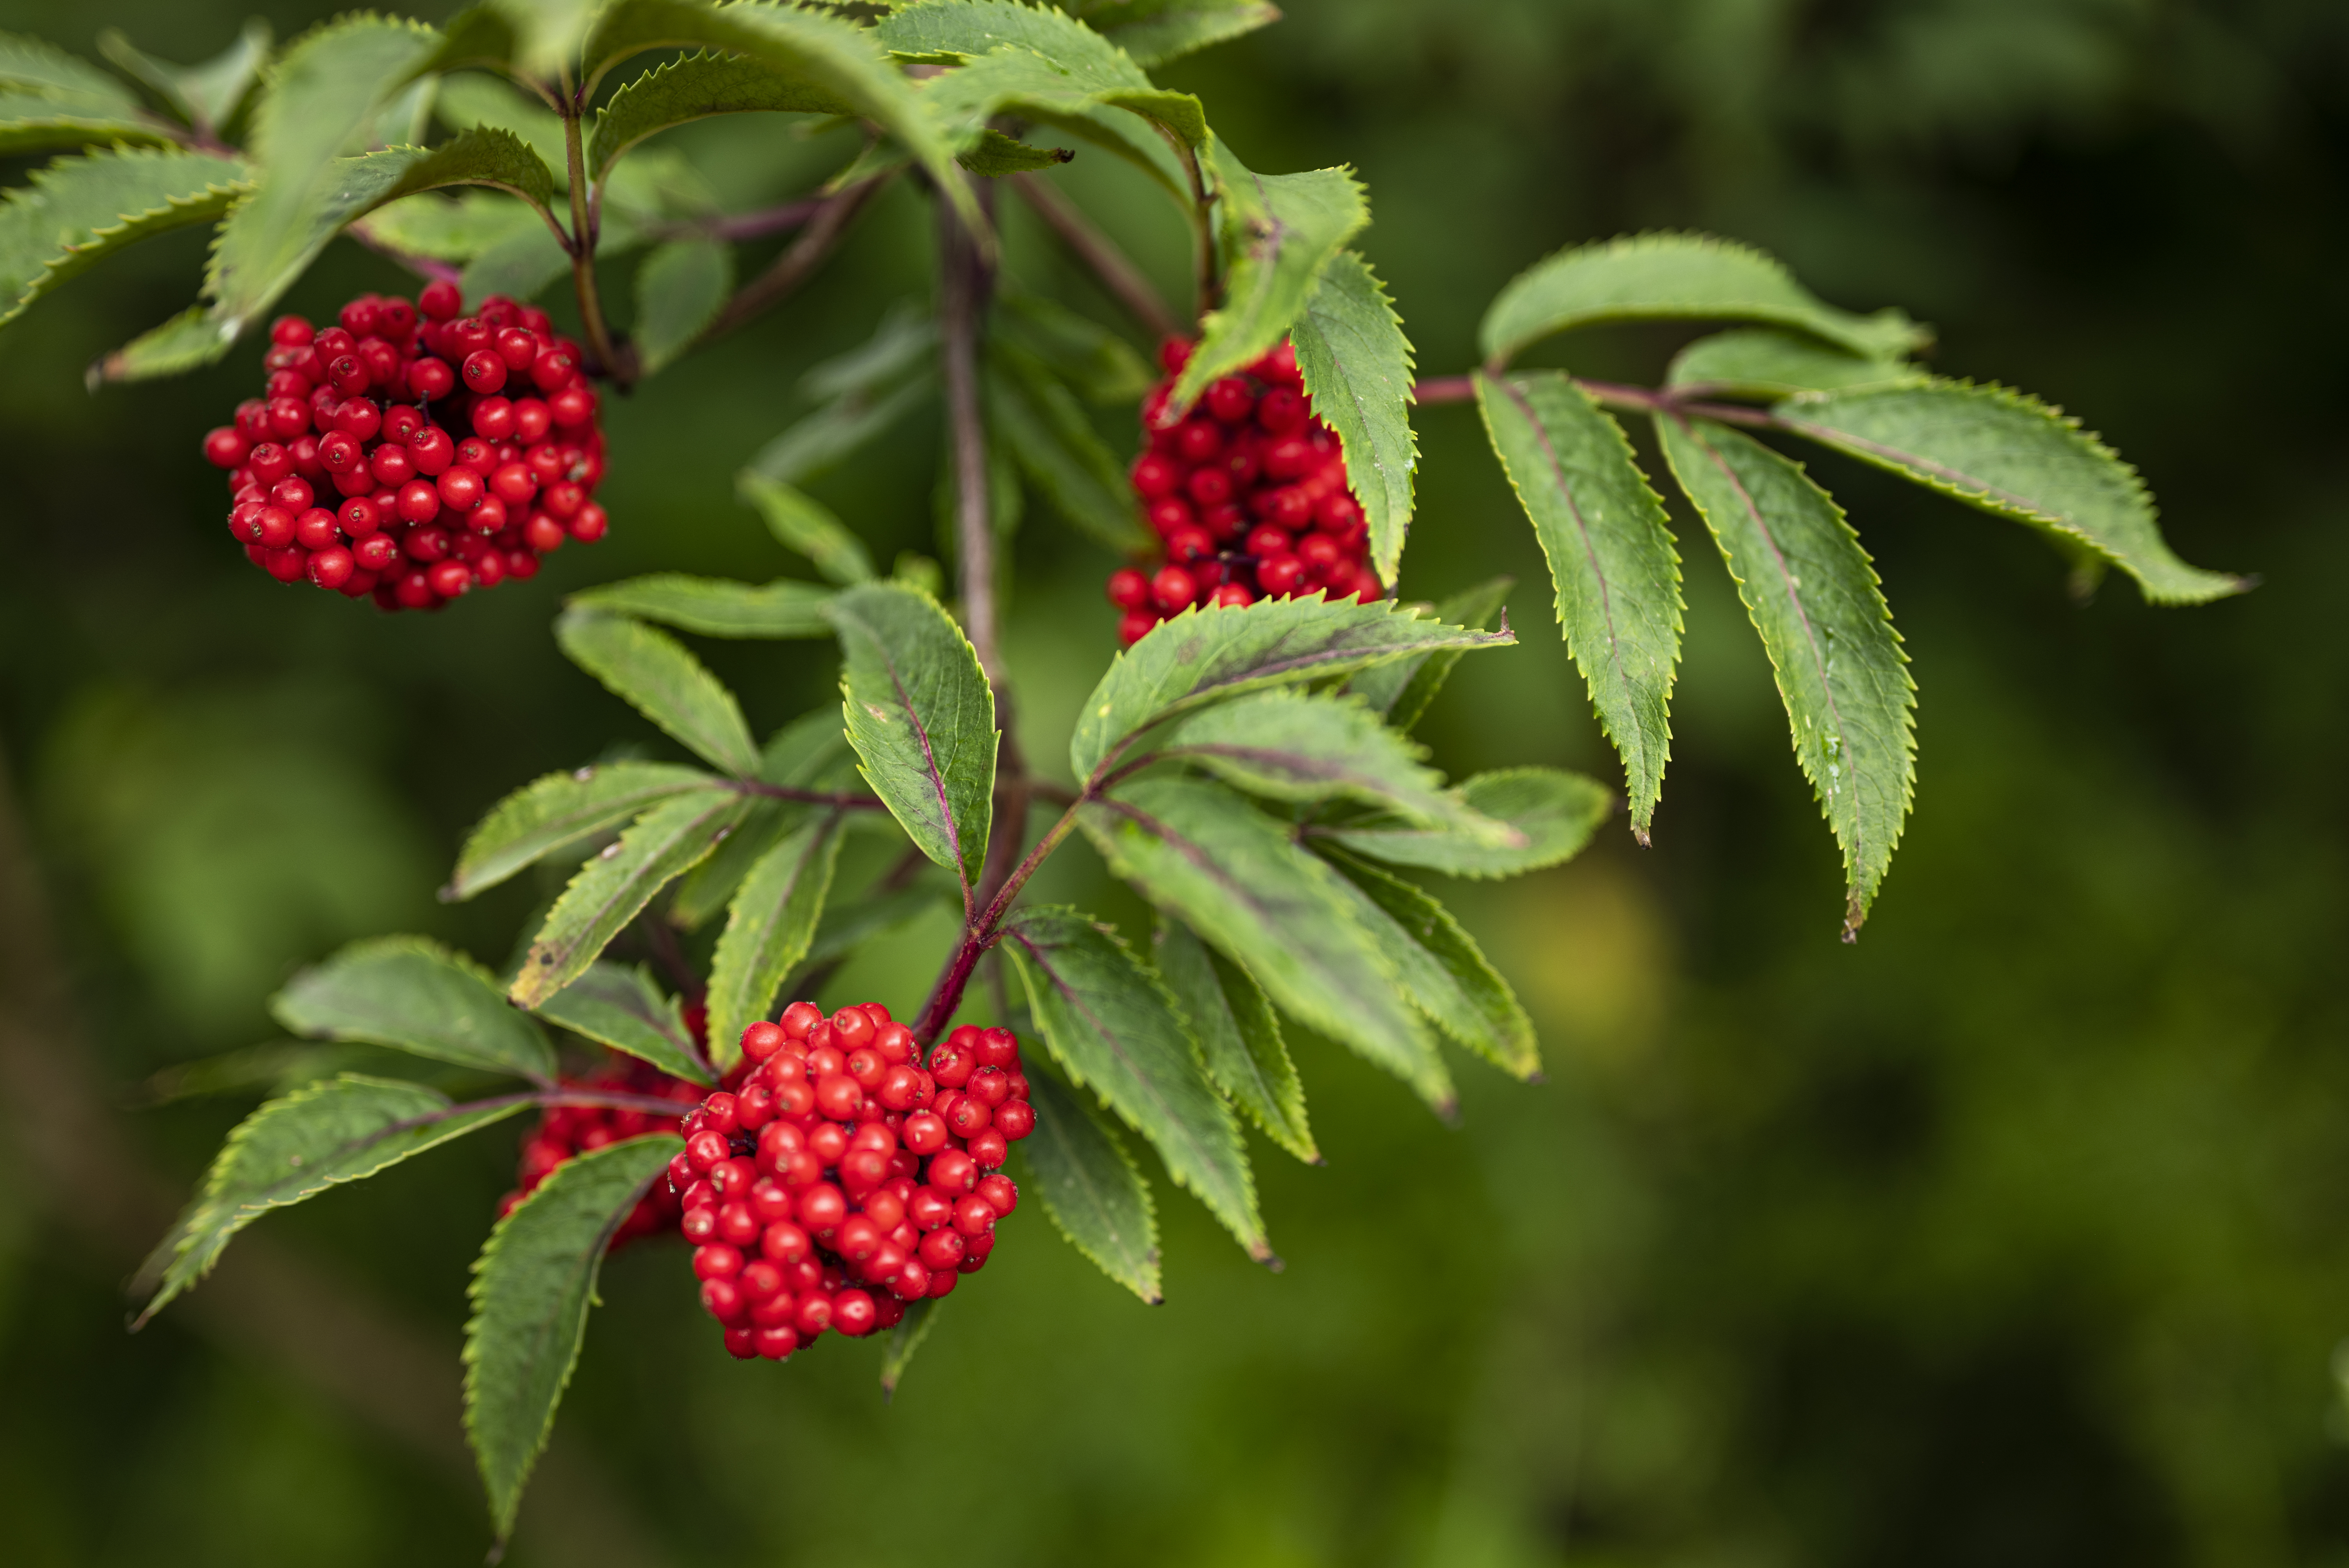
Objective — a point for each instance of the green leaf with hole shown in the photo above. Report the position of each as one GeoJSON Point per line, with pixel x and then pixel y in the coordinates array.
{"type": "Point", "coordinates": [2015, 456]}
{"type": "Point", "coordinates": [681, 286]}
{"type": "Point", "coordinates": [1357, 373]}
{"type": "Point", "coordinates": [1095, 1193]}
{"type": "Point", "coordinates": [769, 930]}
{"type": "Point", "coordinates": [653, 673]}
{"type": "Point", "coordinates": [800, 522]}
{"type": "Point", "coordinates": [1110, 1023]}
{"type": "Point", "coordinates": [78, 212]}
{"type": "Point", "coordinates": [1238, 1035]}
{"type": "Point", "coordinates": [414, 995]}
{"type": "Point", "coordinates": [1203, 854]}
{"type": "Point", "coordinates": [1204, 657]}
{"type": "Point", "coordinates": [1764, 362]}
{"type": "Point", "coordinates": [1157, 31]}
{"type": "Point", "coordinates": [206, 97]}
{"type": "Point", "coordinates": [554, 812]}
{"type": "Point", "coordinates": [344, 1130]}
{"type": "Point", "coordinates": [1446, 973]}
{"type": "Point", "coordinates": [1056, 447]}
{"type": "Point", "coordinates": [1814, 597]}
{"type": "Point", "coordinates": [1277, 234]}
{"type": "Point", "coordinates": [696, 87]}
{"type": "Point", "coordinates": [1676, 277]}
{"type": "Point", "coordinates": [618, 1006]}
{"type": "Point", "coordinates": [613, 887]}
{"type": "Point", "coordinates": [1612, 560]}
{"type": "Point", "coordinates": [532, 1286]}
{"type": "Point", "coordinates": [922, 718]}
{"type": "Point", "coordinates": [1401, 690]}
{"type": "Point", "coordinates": [1556, 811]}
{"type": "Point", "coordinates": [715, 607]}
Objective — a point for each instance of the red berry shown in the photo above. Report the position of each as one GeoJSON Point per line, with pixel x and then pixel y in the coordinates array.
{"type": "Point", "coordinates": [461, 488]}
{"type": "Point", "coordinates": [1230, 399]}
{"type": "Point", "coordinates": [226, 448]}
{"type": "Point", "coordinates": [1134, 625]}
{"type": "Point", "coordinates": [484, 371]}
{"type": "Point", "coordinates": [1015, 1119]}
{"type": "Point", "coordinates": [999, 1193]}
{"type": "Point", "coordinates": [1282, 411]}
{"type": "Point", "coordinates": [1231, 596]}
{"type": "Point", "coordinates": [1174, 353]}
{"type": "Point", "coordinates": [1128, 589]}
{"type": "Point", "coordinates": [430, 378]}
{"type": "Point", "coordinates": [1173, 588]}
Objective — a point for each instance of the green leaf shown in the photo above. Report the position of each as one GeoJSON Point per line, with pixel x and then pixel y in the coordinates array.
{"type": "Point", "coordinates": [1676, 277]}
{"type": "Point", "coordinates": [548, 35]}
{"type": "Point", "coordinates": [1238, 1035]}
{"type": "Point", "coordinates": [1277, 234]}
{"type": "Point", "coordinates": [694, 88]}
{"type": "Point", "coordinates": [454, 228]}
{"type": "Point", "coordinates": [680, 288]}
{"type": "Point", "coordinates": [1288, 745]}
{"type": "Point", "coordinates": [849, 926]}
{"type": "Point", "coordinates": [1095, 1193]}
{"type": "Point", "coordinates": [414, 995]}
{"type": "Point", "coordinates": [800, 522]}
{"type": "Point", "coordinates": [1234, 875]}
{"type": "Point", "coordinates": [1156, 31]}
{"type": "Point", "coordinates": [904, 1340]}
{"type": "Point", "coordinates": [809, 753]}
{"type": "Point", "coordinates": [801, 46]}
{"type": "Point", "coordinates": [995, 155]}
{"type": "Point", "coordinates": [2016, 457]}
{"type": "Point", "coordinates": [1814, 597]}
{"type": "Point", "coordinates": [1446, 971]}
{"type": "Point", "coordinates": [1057, 449]}
{"type": "Point", "coordinates": [653, 673]}
{"type": "Point", "coordinates": [465, 102]}
{"type": "Point", "coordinates": [38, 121]}
{"type": "Point", "coordinates": [1557, 812]}
{"type": "Point", "coordinates": [1204, 656]}
{"type": "Point", "coordinates": [841, 427]}
{"type": "Point", "coordinates": [1096, 363]}
{"type": "Point", "coordinates": [37, 65]}
{"type": "Point", "coordinates": [552, 813]}
{"type": "Point", "coordinates": [611, 889]}
{"type": "Point", "coordinates": [1029, 61]}
{"type": "Point", "coordinates": [78, 212]}
{"type": "Point", "coordinates": [297, 1147]}
{"type": "Point", "coordinates": [186, 341]}
{"type": "Point", "coordinates": [768, 932]}
{"type": "Point", "coordinates": [1404, 690]}
{"type": "Point", "coordinates": [1112, 1026]}
{"type": "Point", "coordinates": [1610, 559]}
{"type": "Point", "coordinates": [616, 1006]}
{"type": "Point", "coordinates": [207, 95]}
{"type": "Point", "coordinates": [1762, 362]}
{"type": "Point", "coordinates": [714, 607]}
{"type": "Point", "coordinates": [922, 717]}
{"type": "Point", "coordinates": [532, 1286]}
{"type": "Point", "coordinates": [522, 265]}
{"type": "Point", "coordinates": [1358, 372]}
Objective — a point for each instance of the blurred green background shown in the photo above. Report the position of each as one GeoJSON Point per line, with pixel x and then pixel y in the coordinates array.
{"type": "Point", "coordinates": [2017, 1233]}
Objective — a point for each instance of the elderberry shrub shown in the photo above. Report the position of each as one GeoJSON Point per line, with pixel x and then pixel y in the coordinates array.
{"type": "Point", "coordinates": [1248, 495]}
{"type": "Point", "coordinates": [837, 1161]}
{"type": "Point", "coordinates": [462, 448]}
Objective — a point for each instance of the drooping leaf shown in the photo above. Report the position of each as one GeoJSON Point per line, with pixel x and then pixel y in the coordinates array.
{"type": "Point", "coordinates": [803, 46]}
{"type": "Point", "coordinates": [1092, 360]}
{"type": "Point", "coordinates": [1814, 597]}
{"type": "Point", "coordinates": [78, 212]}
{"type": "Point", "coordinates": [922, 717]}
{"type": "Point", "coordinates": [532, 1286]}
{"type": "Point", "coordinates": [1357, 373]}
{"type": "Point", "coordinates": [1557, 811]}
{"type": "Point", "coordinates": [1204, 656]}
{"type": "Point", "coordinates": [1238, 1035]}
{"type": "Point", "coordinates": [207, 95]}
{"type": "Point", "coordinates": [1277, 234]}
{"type": "Point", "coordinates": [416, 995]}
{"type": "Point", "coordinates": [1448, 974]}
{"type": "Point", "coordinates": [1112, 1026]}
{"type": "Point", "coordinates": [1156, 31]}
{"type": "Point", "coordinates": [1763, 362]}
{"type": "Point", "coordinates": [1611, 558]}
{"type": "Point", "coordinates": [654, 675]}
{"type": "Point", "coordinates": [768, 931]}
{"type": "Point", "coordinates": [800, 522]}
{"type": "Point", "coordinates": [611, 889]}
{"type": "Point", "coordinates": [1057, 449]}
{"type": "Point", "coordinates": [904, 1340]}
{"type": "Point", "coordinates": [2015, 456]}
{"type": "Point", "coordinates": [1288, 745]}
{"type": "Point", "coordinates": [680, 288]}
{"type": "Point", "coordinates": [297, 1147]}
{"type": "Point", "coordinates": [556, 811]}
{"type": "Point", "coordinates": [1095, 1193]}
{"type": "Point", "coordinates": [1675, 277]}
{"type": "Point", "coordinates": [1402, 690]}
{"type": "Point", "coordinates": [38, 121]}
{"type": "Point", "coordinates": [715, 607]}
{"type": "Point", "coordinates": [696, 87]}
{"type": "Point", "coordinates": [617, 1006]}
{"type": "Point", "coordinates": [1200, 852]}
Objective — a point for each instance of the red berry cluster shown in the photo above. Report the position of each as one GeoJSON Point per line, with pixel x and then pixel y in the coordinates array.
{"type": "Point", "coordinates": [565, 1130]}
{"type": "Point", "coordinates": [839, 1162]}
{"type": "Point", "coordinates": [456, 449]}
{"type": "Point", "coordinates": [1249, 496]}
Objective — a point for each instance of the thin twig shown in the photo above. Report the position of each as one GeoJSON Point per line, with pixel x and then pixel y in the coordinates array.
{"type": "Point", "coordinates": [1615, 394]}
{"type": "Point", "coordinates": [742, 225]}
{"type": "Point", "coordinates": [583, 251]}
{"type": "Point", "coordinates": [1111, 265]}
{"type": "Point", "coordinates": [812, 796]}
{"type": "Point", "coordinates": [1444, 389]}
{"type": "Point", "coordinates": [965, 283]}
{"type": "Point", "coordinates": [798, 261]}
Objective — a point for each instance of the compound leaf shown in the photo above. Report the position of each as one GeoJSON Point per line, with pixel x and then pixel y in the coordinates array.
{"type": "Point", "coordinates": [556, 811]}
{"type": "Point", "coordinates": [1557, 811]}
{"type": "Point", "coordinates": [618, 1006]}
{"type": "Point", "coordinates": [769, 930]}
{"type": "Point", "coordinates": [653, 673]}
{"type": "Point", "coordinates": [414, 995]}
{"type": "Point", "coordinates": [1357, 373]}
{"type": "Point", "coordinates": [1238, 1035]}
{"type": "Point", "coordinates": [715, 607]}
{"type": "Point", "coordinates": [78, 212]}
{"type": "Point", "coordinates": [1095, 1193]}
